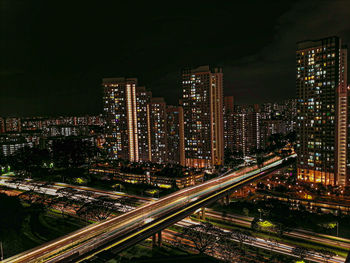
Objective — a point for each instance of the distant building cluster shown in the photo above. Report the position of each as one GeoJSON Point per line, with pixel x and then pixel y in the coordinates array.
{"type": "Point", "coordinates": [249, 127]}
{"type": "Point", "coordinates": [205, 125]}
{"type": "Point", "coordinates": [16, 133]}
{"type": "Point", "coordinates": [137, 124]}
{"type": "Point", "coordinates": [195, 133]}
{"type": "Point", "coordinates": [142, 128]}
{"type": "Point", "coordinates": [138, 127]}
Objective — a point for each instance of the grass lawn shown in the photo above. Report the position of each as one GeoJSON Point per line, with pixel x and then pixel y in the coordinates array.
{"type": "Point", "coordinates": [311, 221]}
{"type": "Point", "coordinates": [37, 230]}
{"type": "Point", "coordinates": [168, 253]}
{"type": "Point", "coordinates": [143, 253]}
{"type": "Point", "coordinates": [292, 241]}
{"type": "Point", "coordinates": [254, 253]}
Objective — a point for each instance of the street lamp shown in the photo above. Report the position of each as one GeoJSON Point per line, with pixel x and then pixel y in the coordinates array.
{"type": "Point", "coordinates": [337, 229]}
{"type": "Point", "coordinates": [260, 214]}
{"type": "Point", "coordinates": [116, 185]}
{"type": "Point", "coordinates": [2, 252]}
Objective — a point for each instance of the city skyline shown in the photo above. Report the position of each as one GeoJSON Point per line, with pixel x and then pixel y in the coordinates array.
{"type": "Point", "coordinates": [199, 132]}
{"type": "Point", "coordinates": [50, 73]}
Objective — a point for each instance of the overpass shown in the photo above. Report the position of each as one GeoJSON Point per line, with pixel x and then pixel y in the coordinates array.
{"type": "Point", "coordinates": [127, 229]}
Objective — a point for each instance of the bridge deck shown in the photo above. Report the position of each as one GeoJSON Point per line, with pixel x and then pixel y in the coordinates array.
{"type": "Point", "coordinates": [139, 224]}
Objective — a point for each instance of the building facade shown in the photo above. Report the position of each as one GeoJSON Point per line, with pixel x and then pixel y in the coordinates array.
{"type": "Point", "coordinates": [120, 110]}
{"type": "Point", "coordinates": [175, 143]}
{"type": "Point", "coordinates": [229, 123]}
{"type": "Point", "coordinates": [321, 128]}
{"type": "Point", "coordinates": [2, 125]}
{"type": "Point", "coordinates": [9, 145]}
{"type": "Point", "coordinates": [269, 127]}
{"type": "Point", "coordinates": [12, 124]}
{"type": "Point", "coordinates": [239, 134]}
{"type": "Point", "coordinates": [143, 98]}
{"type": "Point", "coordinates": [246, 133]}
{"type": "Point", "coordinates": [203, 116]}
{"type": "Point", "coordinates": [157, 137]}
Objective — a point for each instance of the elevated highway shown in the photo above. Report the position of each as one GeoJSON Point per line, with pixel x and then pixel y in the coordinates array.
{"type": "Point", "coordinates": [126, 230]}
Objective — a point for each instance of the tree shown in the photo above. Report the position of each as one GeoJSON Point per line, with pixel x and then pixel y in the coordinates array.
{"type": "Point", "coordinates": [17, 182]}
{"type": "Point", "coordinates": [261, 186]}
{"type": "Point", "coordinates": [282, 228]}
{"type": "Point", "coordinates": [291, 137]}
{"type": "Point", "coordinates": [33, 193]}
{"type": "Point", "coordinates": [98, 209]}
{"type": "Point", "coordinates": [242, 237]}
{"type": "Point", "coordinates": [72, 152]}
{"type": "Point", "coordinates": [64, 198]}
{"type": "Point", "coordinates": [3, 160]}
{"type": "Point", "coordinates": [80, 199]}
{"type": "Point", "coordinates": [246, 211]}
{"type": "Point", "coordinates": [255, 224]}
{"type": "Point", "coordinates": [122, 204]}
{"type": "Point", "coordinates": [260, 161]}
{"type": "Point", "coordinates": [300, 252]}
{"type": "Point", "coordinates": [227, 249]}
{"type": "Point", "coordinates": [227, 156]}
{"type": "Point", "coordinates": [233, 159]}
{"type": "Point", "coordinates": [29, 160]}
{"type": "Point", "coordinates": [326, 254]}
{"type": "Point", "coordinates": [276, 141]}
{"type": "Point", "coordinates": [13, 209]}
{"type": "Point", "coordinates": [272, 243]}
{"type": "Point", "coordinates": [280, 212]}
{"type": "Point", "coordinates": [204, 237]}
{"type": "Point", "coordinates": [66, 191]}
{"type": "Point", "coordinates": [35, 209]}
{"type": "Point", "coordinates": [174, 185]}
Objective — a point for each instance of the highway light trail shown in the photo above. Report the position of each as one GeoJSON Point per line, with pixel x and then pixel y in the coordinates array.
{"type": "Point", "coordinates": [126, 227]}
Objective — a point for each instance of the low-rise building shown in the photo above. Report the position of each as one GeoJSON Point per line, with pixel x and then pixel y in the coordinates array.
{"type": "Point", "coordinates": [149, 177]}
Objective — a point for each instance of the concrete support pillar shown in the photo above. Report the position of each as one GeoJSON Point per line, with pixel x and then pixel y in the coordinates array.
{"type": "Point", "coordinates": [227, 200]}
{"type": "Point", "coordinates": [203, 213]}
{"type": "Point", "coordinates": [154, 241]}
{"type": "Point", "coordinates": [159, 238]}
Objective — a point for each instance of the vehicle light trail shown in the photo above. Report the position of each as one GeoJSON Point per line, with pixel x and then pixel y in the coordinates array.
{"type": "Point", "coordinates": [96, 238]}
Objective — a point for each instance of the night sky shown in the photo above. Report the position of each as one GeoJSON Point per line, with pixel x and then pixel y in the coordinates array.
{"type": "Point", "coordinates": [55, 53]}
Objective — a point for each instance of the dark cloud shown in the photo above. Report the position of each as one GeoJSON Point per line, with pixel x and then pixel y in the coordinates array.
{"type": "Point", "coordinates": [54, 54]}
{"type": "Point", "coordinates": [270, 74]}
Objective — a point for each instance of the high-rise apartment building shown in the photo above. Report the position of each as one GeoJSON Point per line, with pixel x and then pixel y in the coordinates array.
{"type": "Point", "coordinates": [229, 123]}
{"type": "Point", "coordinates": [246, 132]}
{"type": "Point", "coordinates": [143, 98]}
{"type": "Point", "coordinates": [203, 116]}
{"type": "Point", "coordinates": [13, 124]}
{"type": "Point", "coordinates": [2, 125]}
{"type": "Point", "coordinates": [240, 134]}
{"type": "Point", "coordinates": [321, 128]}
{"type": "Point", "coordinates": [9, 145]}
{"type": "Point", "coordinates": [121, 118]}
{"type": "Point", "coordinates": [175, 140]}
{"type": "Point", "coordinates": [253, 131]}
{"type": "Point", "coordinates": [32, 124]}
{"type": "Point", "coordinates": [157, 136]}
{"type": "Point", "coordinates": [269, 127]}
